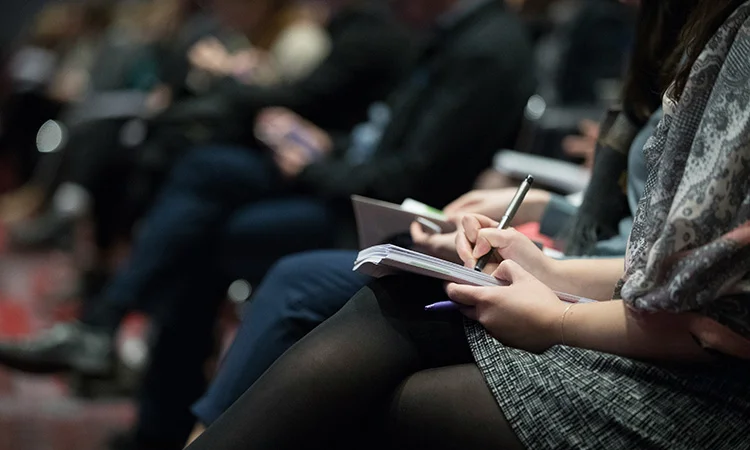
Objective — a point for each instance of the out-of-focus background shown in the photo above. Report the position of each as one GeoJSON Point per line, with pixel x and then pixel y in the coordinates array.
{"type": "Point", "coordinates": [39, 412]}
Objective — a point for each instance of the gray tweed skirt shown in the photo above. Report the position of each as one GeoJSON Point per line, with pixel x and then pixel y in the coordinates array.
{"type": "Point", "coordinates": [569, 398]}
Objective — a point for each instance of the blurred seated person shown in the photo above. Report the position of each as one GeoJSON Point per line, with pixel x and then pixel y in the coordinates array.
{"type": "Point", "coordinates": [286, 46]}
{"type": "Point", "coordinates": [114, 184]}
{"type": "Point", "coordinates": [48, 73]}
{"type": "Point", "coordinates": [592, 47]}
{"type": "Point", "coordinates": [578, 147]}
{"type": "Point", "coordinates": [580, 60]}
{"type": "Point", "coordinates": [143, 49]}
{"type": "Point", "coordinates": [660, 360]}
{"type": "Point", "coordinates": [107, 55]}
{"type": "Point", "coordinates": [467, 91]}
{"type": "Point", "coordinates": [579, 45]}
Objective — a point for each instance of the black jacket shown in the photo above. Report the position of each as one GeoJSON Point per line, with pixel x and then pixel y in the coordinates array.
{"type": "Point", "coordinates": [463, 101]}
{"type": "Point", "coordinates": [369, 55]}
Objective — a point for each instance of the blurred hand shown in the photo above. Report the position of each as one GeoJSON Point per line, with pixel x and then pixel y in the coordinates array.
{"type": "Point", "coordinates": [492, 179]}
{"type": "Point", "coordinates": [526, 314]}
{"type": "Point", "coordinates": [480, 236]}
{"type": "Point", "coordinates": [245, 63]}
{"type": "Point", "coordinates": [494, 202]}
{"type": "Point", "coordinates": [583, 145]}
{"type": "Point", "coordinates": [159, 99]}
{"type": "Point", "coordinates": [210, 55]}
{"type": "Point", "coordinates": [296, 143]}
{"type": "Point", "coordinates": [69, 85]}
{"type": "Point", "coordinates": [441, 245]}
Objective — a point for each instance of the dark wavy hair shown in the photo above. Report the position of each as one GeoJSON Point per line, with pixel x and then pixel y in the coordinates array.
{"type": "Point", "coordinates": [670, 36]}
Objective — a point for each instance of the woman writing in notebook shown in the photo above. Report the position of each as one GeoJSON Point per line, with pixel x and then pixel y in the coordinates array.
{"type": "Point", "coordinates": [663, 365]}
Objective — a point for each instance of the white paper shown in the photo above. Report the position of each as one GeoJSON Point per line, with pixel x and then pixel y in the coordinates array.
{"type": "Point", "coordinates": [384, 260]}
{"type": "Point", "coordinates": [387, 259]}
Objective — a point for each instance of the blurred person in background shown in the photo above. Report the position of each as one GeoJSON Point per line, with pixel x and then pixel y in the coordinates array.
{"type": "Point", "coordinates": [104, 52]}
{"type": "Point", "coordinates": [286, 43]}
{"type": "Point", "coordinates": [113, 183]}
{"type": "Point", "coordinates": [129, 60]}
{"type": "Point", "coordinates": [587, 48]}
{"type": "Point", "coordinates": [581, 50]}
{"type": "Point", "coordinates": [48, 72]}
{"type": "Point", "coordinates": [230, 210]}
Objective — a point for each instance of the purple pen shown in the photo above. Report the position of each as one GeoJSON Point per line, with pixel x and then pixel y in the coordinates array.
{"type": "Point", "coordinates": [443, 306]}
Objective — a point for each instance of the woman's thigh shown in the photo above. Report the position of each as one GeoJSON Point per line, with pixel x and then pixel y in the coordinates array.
{"type": "Point", "coordinates": [447, 408]}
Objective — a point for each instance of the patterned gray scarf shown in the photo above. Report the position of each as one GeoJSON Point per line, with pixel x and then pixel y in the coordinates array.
{"type": "Point", "coordinates": [690, 245]}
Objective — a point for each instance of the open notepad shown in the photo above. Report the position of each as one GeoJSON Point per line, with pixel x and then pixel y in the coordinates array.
{"type": "Point", "coordinates": [383, 260]}
{"type": "Point", "coordinates": [379, 221]}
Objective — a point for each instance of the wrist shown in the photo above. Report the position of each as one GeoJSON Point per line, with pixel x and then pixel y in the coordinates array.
{"type": "Point", "coordinates": [554, 325]}
{"type": "Point", "coordinates": [562, 338]}
{"type": "Point", "coordinates": [557, 277]}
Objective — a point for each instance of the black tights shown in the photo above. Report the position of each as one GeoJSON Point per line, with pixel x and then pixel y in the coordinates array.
{"type": "Point", "coordinates": [382, 373]}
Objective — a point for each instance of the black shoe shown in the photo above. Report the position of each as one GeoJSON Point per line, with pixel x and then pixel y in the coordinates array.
{"type": "Point", "coordinates": [64, 348]}
{"type": "Point", "coordinates": [50, 230]}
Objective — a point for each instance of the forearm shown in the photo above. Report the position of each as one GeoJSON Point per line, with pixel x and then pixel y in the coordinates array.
{"type": "Point", "coordinates": [592, 278]}
{"type": "Point", "coordinates": [611, 327]}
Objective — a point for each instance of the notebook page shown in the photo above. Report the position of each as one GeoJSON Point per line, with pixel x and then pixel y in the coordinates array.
{"type": "Point", "coordinates": [383, 260]}
{"type": "Point", "coordinates": [371, 260]}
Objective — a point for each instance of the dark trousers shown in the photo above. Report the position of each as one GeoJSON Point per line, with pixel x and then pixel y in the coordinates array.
{"type": "Point", "coordinates": [224, 212]}
{"type": "Point", "coordinates": [299, 293]}
{"type": "Point", "coordinates": [96, 160]}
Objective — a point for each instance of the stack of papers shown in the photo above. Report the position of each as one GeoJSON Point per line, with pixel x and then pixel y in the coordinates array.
{"type": "Point", "coordinates": [383, 260]}
{"type": "Point", "coordinates": [379, 221]}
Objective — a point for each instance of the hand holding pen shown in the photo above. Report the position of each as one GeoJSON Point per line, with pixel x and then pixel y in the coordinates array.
{"type": "Point", "coordinates": [483, 236]}
{"type": "Point", "coordinates": [507, 218]}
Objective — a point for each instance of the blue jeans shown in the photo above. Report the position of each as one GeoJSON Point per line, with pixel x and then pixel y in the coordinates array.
{"type": "Point", "coordinates": [223, 212]}
{"type": "Point", "coordinates": [299, 293]}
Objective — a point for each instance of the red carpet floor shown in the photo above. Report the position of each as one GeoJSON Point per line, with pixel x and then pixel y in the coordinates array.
{"type": "Point", "coordinates": [39, 412]}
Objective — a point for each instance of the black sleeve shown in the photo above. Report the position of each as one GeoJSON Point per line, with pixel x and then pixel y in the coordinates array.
{"type": "Point", "coordinates": [354, 64]}
{"type": "Point", "coordinates": [596, 47]}
{"type": "Point", "coordinates": [455, 123]}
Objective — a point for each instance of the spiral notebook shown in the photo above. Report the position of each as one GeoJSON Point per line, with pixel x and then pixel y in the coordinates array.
{"type": "Point", "coordinates": [387, 259]}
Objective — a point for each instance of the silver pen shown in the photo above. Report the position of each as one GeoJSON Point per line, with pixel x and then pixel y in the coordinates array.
{"type": "Point", "coordinates": [507, 218]}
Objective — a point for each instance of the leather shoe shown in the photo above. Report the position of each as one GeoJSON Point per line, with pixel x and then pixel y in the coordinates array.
{"type": "Point", "coordinates": [72, 347]}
